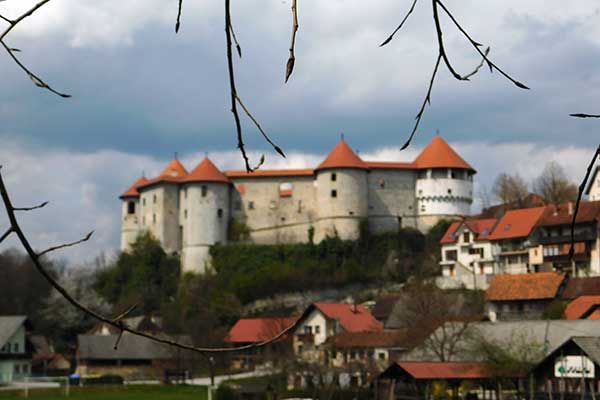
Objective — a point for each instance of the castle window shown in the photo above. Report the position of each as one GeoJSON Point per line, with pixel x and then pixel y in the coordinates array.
{"type": "Point", "coordinates": [449, 191]}
{"type": "Point", "coordinates": [250, 205]}
{"type": "Point", "coordinates": [382, 183]}
{"type": "Point", "coordinates": [285, 189]}
{"type": "Point", "coordinates": [185, 193]}
{"type": "Point", "coordinates": [153, 218]}
{"type": "Point", "coordinates": [144, 201]}
{"type": "Point", "coordinates": [333, 177]}
{"type": "Point", "coordinates": [204, 190]}
{"type": "Point", "coordinates": [220, 213]}
{"type": "Point", "coordinates": [185, 214]}
{"type": "Point", "coordinates": [130, 207]}
{"type": "Point", "coordinates": [154, 199]}
{"type": "Point", "coordinates": [452, 175]}
{"type": "Point", "coordinates": [334, 193]}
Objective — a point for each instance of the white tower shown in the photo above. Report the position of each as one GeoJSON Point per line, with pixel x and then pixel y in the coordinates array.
{"type": "Point", "coordinates": [204, 214]}
{"type": "Point", "coordinates": [342, 198]}
{"type": "Point", "coordinates": [444, 186]}
{"type": "Point", "coordinates": [130, 226]}
{"type": "Point", "coordinates": [159, 206]}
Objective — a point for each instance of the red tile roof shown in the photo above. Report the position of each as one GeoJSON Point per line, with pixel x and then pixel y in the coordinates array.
{"type": "Point", "coordinates": [174, 172]}
{"type": "Point", "coordinates": [439, 154]}
{"type": "Point", "coordinates": [582, 307]}
{"type": "Point", "coordinates": [482, 228]}
{"type": "Point", "coordinates": [133, 190]}
{"type": "Point", "coordinates": [254, 330]}
{"type": "Point", "coordinates": [351, 317]}
{"type": "Point", "coordinates": [266, 173]}
{"type": "Point", "coordinates": [206, 171]}
{"type": "Point", "coordinates": [582, 287]}
{"type": "Point", "coordinates": [562, 214]}
{"type": "Point", "coordinates": [516, 223]}
{"type": "Point", "coordinates": [537, 286]}
{"type": "Point", "coordinates": [380, 339]}
{"type": "Point", "coordinates": [595, 314]}
{"type": "Point", "coordinates": [342, 156]}
{"type": "Point", "coordinates": [445, 370]}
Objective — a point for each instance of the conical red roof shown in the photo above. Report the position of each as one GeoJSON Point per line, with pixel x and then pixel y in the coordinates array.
{"type": "Point", "coordinates": [206, 171]}
{"type": "Point", "coordinates": [439, 154]}
{"type": "Point", "coordinates": [133, 190]}
{"type": "Point", "coordinates": [342, 156]}
{"type": "Point", "coordinates": [174, 170]}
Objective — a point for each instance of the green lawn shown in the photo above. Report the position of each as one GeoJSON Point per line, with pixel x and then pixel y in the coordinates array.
{"type": "Point", "coordinates": [128, 392]}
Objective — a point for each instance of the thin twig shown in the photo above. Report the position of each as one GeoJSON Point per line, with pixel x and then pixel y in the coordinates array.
{"type": "Point", "coordinates": [580, 115]}
{"type": "Point", "coordinates": [62, 246]}
{"type": "Point", "coordinates": [478, 67]}
{"type": "Point", "coordinates": [289, 68]}
{"type": "Point", "coordinates": [36, 79]}
{"type": "Point", "coordinates": [267, 138]}
{"type": "Point", "coordinates": [10, 21]}
{"type": "Point", "coordinates": [389, 39]}
{"type": "Point", "coordinates": [178, 23]}
{"type": "Point", "coordinates": [426, 101]}
{"type": "Point", "coordinates": [232, 89]}
{"type": "Point", "coordinates": [6, 234]}
{"type": "Point", "coordinates": [26, 14]}
{"type": "Point", "coordinates": [237, 44]}
{"type": "Point", "coordinates": [125, 313]}
{"type": "Point", "coordinates": [477, 46]}
{"type": "Point", "coordinates": [31, 208]}
{"type": "Point", "coordinates": [579, 195]}
{"type": "Point", "coordinates": [35, 258]}
{"type": "Point", "coordinates": [440, 40]}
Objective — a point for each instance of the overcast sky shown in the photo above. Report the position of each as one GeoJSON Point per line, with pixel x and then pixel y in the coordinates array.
{"type": "Point", "coordinates": [141, 93]}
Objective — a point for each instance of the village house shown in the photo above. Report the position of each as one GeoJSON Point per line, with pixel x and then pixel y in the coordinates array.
{"type": "Point", "coordinates": [16, 351]}
{"type": "Point", "coordinates": [134, 358]}
{"type": "Point", "coordinates": [372, 349]}
{"type": "Point", "coordinates": [523, 296]}
{"type": "Point", "coordinates": [467, 254]}
{"type": "Point", "coordinates": [248, 331]}
{"type": "Point", "coordinates": [551, 239]}
{"type": "Point", "coordinates": [321, 321]}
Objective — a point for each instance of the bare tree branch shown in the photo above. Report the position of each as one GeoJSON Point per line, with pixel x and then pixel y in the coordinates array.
{"type": "Point", "coordinates": [580, 115]}
{"type": "Point", "coordinates": [292, 59]}
{"type": "Point", "coordinates": [267, 138]}
{"type": "Point", "coordinates": [6, 234]}
{"type": "Point", "coordinates": [389, 39]}
{"type": "Point", "coordinates": [39, 266]}
{"type": "Point", "coordinates": [178, 23]}
{"type": "Point", "coordinates": [31, 208]}
{"type": "Point", "coordinates": [440, 40]}
{"type": "Point", "coordinates": [62, 246]}
{"type": "Point", "coordinates": [579, 195]}
{"type": "Point", "coordinates": [237, 44]}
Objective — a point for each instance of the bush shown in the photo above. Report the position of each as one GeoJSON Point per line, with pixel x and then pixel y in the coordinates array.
{"type": "Point", "coordinates": [225, 392]}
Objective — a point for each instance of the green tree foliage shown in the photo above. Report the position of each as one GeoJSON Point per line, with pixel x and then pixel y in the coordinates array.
{"type": "Point", "coordinates": [145, 275]}
{"type": "Point", "coordinates": [250, 271]}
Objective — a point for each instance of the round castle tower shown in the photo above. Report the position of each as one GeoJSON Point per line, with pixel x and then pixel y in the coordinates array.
{"type": "Point", "coordinates": [204, 214]}
{"type": "Point", "coordinates": [130, 212]}
{"type": "Point", "coordinates": [341, 194]}
{"type": "Point", "coordinates": [444, 187]}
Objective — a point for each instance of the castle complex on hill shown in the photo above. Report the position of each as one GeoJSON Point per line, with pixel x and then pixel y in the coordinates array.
{"type": "Point", "coordinates": [189, 212]}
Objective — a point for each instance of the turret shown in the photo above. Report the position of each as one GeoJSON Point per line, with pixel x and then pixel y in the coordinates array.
{"type": "Point", "coordinates": [130, 226]}
{"type": "Point", "coordinates": [204, 214]}
{"type": "Point", "coordinates": [159, 206]}
{"type": "Point", "coordinates": [444, 186]}
{"type": "Point", "coordinates": [341, 181]}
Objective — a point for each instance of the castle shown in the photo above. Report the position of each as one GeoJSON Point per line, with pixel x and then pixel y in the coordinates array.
{"type": "Point", "coordinates": [189, 212]}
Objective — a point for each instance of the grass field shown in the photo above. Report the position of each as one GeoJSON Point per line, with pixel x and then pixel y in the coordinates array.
{"type": "Point", "coordinates": [127, 392]}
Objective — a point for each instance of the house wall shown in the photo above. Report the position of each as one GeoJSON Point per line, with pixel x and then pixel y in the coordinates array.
{"type": "Point", "coordinates": [18, 367]}
{"type": "Point", "coordinates": [316, 320]}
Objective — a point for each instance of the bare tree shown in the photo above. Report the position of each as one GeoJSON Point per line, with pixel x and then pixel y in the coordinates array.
{"type": "Point", "coordinates": [553, 185]}
{"type": "Point", "coordinates": [510, 189]}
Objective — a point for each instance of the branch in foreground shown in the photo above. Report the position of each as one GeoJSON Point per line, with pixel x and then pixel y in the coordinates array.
{"type": "Point", "coordinates": [292, 59]}
{"type": "Point", "coordinates": [579, 195]}
{"type": "Point", "coordinates": [117, 323]}
{"type": "Point", "coordinates": [178, 23]}
{"type": "Point", "coordinates": [580, 115]}
{"type": "Point", "coordinates": [389, 39]}
{"type": "Point", "coordinates": [65, 245]}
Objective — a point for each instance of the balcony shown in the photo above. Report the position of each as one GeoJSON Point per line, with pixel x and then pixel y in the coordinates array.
{"type": "Point", "coordinates": [579, 237]}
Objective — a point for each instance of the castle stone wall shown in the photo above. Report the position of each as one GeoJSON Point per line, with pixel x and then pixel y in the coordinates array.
{"type": "Point", "coordinates": [392, 202]}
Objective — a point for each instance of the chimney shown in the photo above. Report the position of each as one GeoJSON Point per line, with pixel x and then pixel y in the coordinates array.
{"type": "Point", "coordinates": [353, 308]}
{"type": "Point", "coordinates": [570, 205]}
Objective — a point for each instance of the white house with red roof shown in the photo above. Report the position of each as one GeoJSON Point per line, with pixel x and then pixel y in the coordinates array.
{"type": "Point", "coordinates": [324, 320]}
{"type": "Point", "coordinates": [467, 254]}
{"type": "Point", "coordinates": [190, 211]}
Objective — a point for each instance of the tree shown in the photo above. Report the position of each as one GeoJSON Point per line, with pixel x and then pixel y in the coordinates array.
{"type": "Point", "coordinates": [553, 185]}
{"type": "Point", "coordinates": [145, 275]}
{"type": "Point", "coordinates": [510, 189]}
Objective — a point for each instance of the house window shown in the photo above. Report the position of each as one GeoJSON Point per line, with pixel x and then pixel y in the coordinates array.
{"type": "Point", "coordinates": [220, 213]}
{"type": "Point", "coordinates": [333, 177]}
{"type": "Point", "coordinates": [17, 368]}
{"type": "Point", "coordinates": [204, 190]}
{"type": "Point", "coordinates": [250, 205]}
{"type": "Point", "coordinates": [381, 356]}
{"type": "Point", "coordinates": [308, 330]}
{"type": "Point", "coordinates": [130, 207]}
{"type": "Point", "coordinates": [15, 347]}
{"type": "Point", "coordinates": [466, 237]}
{"type": "Point", "coordinates": [334, 193]}
{"type": "Point", "coordinates": [451, 255]}
{"type": "Point", "coordinates": [317, 329]}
